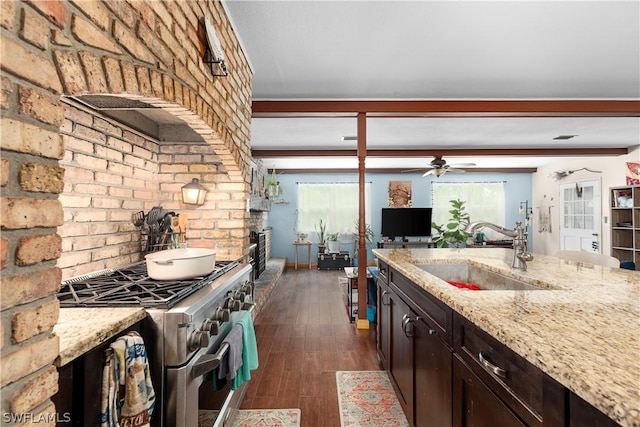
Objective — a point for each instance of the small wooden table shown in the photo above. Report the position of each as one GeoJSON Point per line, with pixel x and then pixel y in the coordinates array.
{"type": "Point", "coordinates": [296, 245]}
{"type": "Point", "coordinates": [352, 283]}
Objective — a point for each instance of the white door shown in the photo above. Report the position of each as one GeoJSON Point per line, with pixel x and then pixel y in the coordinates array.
{"type": "Point", "coordinates": [580, 222]}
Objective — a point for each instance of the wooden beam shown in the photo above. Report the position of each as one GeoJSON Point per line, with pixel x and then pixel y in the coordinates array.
{"type": "Point", "coordinates": [261, 154]}
{"type": "Point", "coordinates": [464, 152]}
{"type": "Point", "coordinates": [399, 170]}
{"type": "Point", "coordinates": [479, 152]}
{"type": "Point", "coordinates": [449, 108]}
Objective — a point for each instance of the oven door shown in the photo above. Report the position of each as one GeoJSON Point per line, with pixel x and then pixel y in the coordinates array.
{"type": "Point", "coordinates": [194, 397]}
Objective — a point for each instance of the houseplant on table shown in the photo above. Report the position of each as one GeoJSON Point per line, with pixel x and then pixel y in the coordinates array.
{"type": "Point", "coordinates": [453, 234]}
{"type": "Point", "coordinates": [320, 229]}
{"type": "Point", "coordinates": [333, 243]}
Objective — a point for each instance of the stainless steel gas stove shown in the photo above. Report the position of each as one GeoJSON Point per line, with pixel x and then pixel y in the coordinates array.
{"type": "Point", "coordinates": [186, 324]}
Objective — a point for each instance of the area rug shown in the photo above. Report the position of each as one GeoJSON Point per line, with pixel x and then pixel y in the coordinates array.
{"type": "Point", "coordinates": [256, 418]}
{"type": "Point", "coordinates": [366, 398]}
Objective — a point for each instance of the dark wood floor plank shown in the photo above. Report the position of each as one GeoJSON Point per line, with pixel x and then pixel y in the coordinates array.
{"type": "Point", "coordinates": [304, 336]}
{"type": "Point", "coordinates": [311, 412]}
{"type": "Point", "coordinates": [272, 376]}
{"type": "Point", "coordinates": [290, 388]}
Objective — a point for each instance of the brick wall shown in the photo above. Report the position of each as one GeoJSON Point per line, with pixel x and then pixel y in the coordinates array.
{"type": "Point", "coordinates": [110, 173]}
{"type": "Point", "coordinates": [147, 50]}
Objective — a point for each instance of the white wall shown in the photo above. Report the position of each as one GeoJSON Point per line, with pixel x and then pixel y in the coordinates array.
{"type": "Point", "coordinates": [546, 191]}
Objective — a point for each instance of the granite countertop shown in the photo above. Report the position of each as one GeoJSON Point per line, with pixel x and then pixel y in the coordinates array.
{"type": "Point", "coordinates": [583, 329]}
{"type": "Point", "coordinates": [81, 329]}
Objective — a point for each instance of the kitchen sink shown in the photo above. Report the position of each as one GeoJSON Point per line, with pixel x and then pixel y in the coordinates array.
{"type": "Point", "coordinates": [486, 280]}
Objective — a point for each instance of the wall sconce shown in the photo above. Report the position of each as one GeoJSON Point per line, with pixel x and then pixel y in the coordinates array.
{"type": "Point", "coordinates": [193, 193]}
{"type": "Point", "coordinates": [213, 54]}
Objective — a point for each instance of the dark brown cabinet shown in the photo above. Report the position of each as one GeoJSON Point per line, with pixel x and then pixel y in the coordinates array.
{"type": "Point", "coordinates": [583, 414]}
{"type": "Point", "coordinates": [79, 393]}
{"type": "Point", "coordinates": [475, 404]}
{"type": "Point", "coordinates": [382, 313]}
{"type": "Point", "coordinates": [383, 333]}
{"type": "Point", "coordinates": [400, 362]}
{"type": "Point", "coordinates": [433, 370]}
{"type": "Point", "coordinates": [530, 397]}
{"type": "Point", "coordinates": [413, 348]}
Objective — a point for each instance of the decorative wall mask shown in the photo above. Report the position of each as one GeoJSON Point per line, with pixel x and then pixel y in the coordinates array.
{"type": "Point", "coordinates": [400, 194]}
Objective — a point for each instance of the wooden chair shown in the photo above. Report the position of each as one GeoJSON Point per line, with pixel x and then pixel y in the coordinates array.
{"type": "Point", "coordinates": [590, 257]}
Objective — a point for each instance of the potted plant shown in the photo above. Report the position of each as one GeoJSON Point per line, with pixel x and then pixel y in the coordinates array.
{"type": "Point", "coordinates": [320, 229]}
{"type": "Point", "coordinates": [453, 234]}
{"type": "Point", "coordinates": [272, 186]}
{"type": "Point", "coordinates": [333, 243]}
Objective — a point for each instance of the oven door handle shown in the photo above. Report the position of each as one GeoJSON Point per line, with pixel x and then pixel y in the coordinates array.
{"type": "Point", "coordinates": [208, 362]}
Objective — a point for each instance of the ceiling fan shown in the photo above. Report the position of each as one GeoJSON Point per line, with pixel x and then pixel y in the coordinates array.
{"type": "Point", "coordinates": [439, 167]}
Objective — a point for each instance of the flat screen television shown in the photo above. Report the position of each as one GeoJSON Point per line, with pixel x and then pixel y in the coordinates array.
{"type": "Point", "coordinates": [406, 222]}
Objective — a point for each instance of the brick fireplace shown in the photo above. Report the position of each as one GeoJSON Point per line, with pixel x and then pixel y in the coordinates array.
{"type": "Point", "coordinates": [71, 178]}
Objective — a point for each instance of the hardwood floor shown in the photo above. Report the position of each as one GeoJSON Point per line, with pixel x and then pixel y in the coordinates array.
{"type": "Point", "coordinates": [304, 337]}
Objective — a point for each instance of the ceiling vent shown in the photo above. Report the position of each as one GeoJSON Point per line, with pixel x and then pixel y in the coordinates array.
{"type": "Point", "coordinates": [563, 137]}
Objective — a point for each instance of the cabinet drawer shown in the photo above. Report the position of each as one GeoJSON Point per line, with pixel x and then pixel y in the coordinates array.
{"type": "Point", "coordinates": [516, 381]}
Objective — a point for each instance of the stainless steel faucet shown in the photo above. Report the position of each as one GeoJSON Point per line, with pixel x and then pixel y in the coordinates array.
{"type": "Point", "coordinates": [520, 253]}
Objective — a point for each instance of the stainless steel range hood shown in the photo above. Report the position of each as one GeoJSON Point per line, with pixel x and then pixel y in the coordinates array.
{"type": "Point", "coordinates": [152, 121]}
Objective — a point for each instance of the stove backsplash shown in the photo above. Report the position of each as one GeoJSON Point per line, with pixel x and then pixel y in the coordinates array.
{"type": "Point", "coordinates": [111, 172]}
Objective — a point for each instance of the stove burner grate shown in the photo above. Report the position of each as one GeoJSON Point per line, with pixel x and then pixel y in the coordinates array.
{"type": "Point", "coordinates": [131, 286]}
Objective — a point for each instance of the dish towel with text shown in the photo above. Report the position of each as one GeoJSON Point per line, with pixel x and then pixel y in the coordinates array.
{"type": "Point", "coordinates": [128, 397]}
{"type": "Point", "coordinates": [249, 351]}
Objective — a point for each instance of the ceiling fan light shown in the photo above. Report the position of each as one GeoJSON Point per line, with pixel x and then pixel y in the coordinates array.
{"type": "Point", "coordinates": [439, 172]}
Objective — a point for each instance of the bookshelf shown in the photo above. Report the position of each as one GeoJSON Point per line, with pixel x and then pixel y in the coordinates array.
{"type": "Point", "coordinates": [625, 223]}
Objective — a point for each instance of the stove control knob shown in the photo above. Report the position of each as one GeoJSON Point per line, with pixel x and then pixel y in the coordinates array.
{"type": "Point", "coordinates": [198, 339]}
{"type": "Point", "coordinates": [233, 304]}
{"type": "Point", "coordinates": [210, 326]}
{"type": "Point", "coordinates": [247, 288]}
{"type": "Point", "coordinates": [221, 314]}
{"type": "Point", "coordinates": [236, 295]}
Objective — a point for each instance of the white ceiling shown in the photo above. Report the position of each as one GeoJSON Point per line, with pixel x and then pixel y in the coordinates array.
{"type": "Point", "coordinates": [435, 50]}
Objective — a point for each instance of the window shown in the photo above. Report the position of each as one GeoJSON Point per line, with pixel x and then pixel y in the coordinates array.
{"type": "Point", "coordinates": [335, 203]}
{"type": "Point", "coordinates": [484, 200]}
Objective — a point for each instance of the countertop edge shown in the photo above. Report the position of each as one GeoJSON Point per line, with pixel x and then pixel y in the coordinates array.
{"type": "Point", "coordinates": [82, 329]}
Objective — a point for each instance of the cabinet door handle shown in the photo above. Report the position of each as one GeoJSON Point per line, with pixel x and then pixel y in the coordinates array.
{"type": "Point", "coordinates": [406, 321]}
{"type": "Point", "coordinates": [384, 293]}
{"type": "Point", "coordinates": [431, 330]}
{"type": "Point", "coordinates": [491, 367]}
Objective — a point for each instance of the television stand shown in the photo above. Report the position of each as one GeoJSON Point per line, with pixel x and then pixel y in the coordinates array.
{"type": "Point", "coordinates": [385, 244]}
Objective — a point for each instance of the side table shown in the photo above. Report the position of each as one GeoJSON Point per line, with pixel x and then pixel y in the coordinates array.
{"type": "Point", "coordinates": [352, 285]}
{"type": "Point", "coordinates": [296, 245]}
